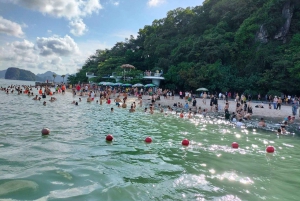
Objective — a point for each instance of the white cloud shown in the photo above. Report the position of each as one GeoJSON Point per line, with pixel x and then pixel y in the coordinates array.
{"type": "Point", "coordinates": [19, 51]}
{"type": "Point", "coordinates": [57, 46]}
{"type": "Point", "coordinates": [56, 60]}
{"type": "Point", "coordinates": [90, 6]}
{"type": "Point", "coordinates": [44, 66]}
{"type": "Point", "coordinates": [23, 45]}
{"type": "Point", "coordinates": [60, 54]}
{"type": "Point", "coordinates": [153, 3]}
{"type": "Point", "coordinates": [11, 28]}
{"type": "Point", "coordinates": [116, 3]}
{"type": "Point", "coordinates": [62, 8]}
{"type": "Point", "coordinates": [78, 28]}
{"type": "Point", "coordinates": [73, 10]}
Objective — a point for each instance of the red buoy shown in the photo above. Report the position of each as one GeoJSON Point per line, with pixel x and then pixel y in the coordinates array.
{"type": "Point", "coordinates": [270, 149]}
{"type": "Point", "coordinates": [185, 142]}
{"type": "Point", "coordinates": [235, 145]}
{"type": "Point", "coordinates": [45, 131]}
{"type": "Point", "coordinates": [109, 137]}
{"type": "Point", "coordinates": [148, 140]}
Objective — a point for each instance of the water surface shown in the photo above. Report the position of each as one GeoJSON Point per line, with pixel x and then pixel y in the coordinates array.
{"type": "Point", "coordinates": [76, 163]}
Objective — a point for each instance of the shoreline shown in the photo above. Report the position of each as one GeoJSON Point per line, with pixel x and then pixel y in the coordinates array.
{"type": "Point", "coordinates": [285, 111]}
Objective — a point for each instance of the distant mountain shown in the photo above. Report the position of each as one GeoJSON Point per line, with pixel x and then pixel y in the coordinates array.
{"type": "Point", "coordinates": [49, 76]}
{"type": "Point", "coordinates": [2, 73]}
{"type": "Point", "coordinates": [19, 74]}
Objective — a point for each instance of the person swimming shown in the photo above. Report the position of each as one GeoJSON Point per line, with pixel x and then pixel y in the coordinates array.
{"type": "Point", "coordinates": [131, 109]}
{"type": "Point", "coordinates": [240, 123]}
{"type": "Point", "coordinates": [279, 131]}
{"type": "Point", "coordinates": [262, 123]}
{"type": "Point", "coordinates": [124, 105]}
{"type": "Point", "coordinates": [52, 99]}
{"type": "Point", "coordinates": [36, 97]}
{"type": "Point", "coordinates": [283, 126]}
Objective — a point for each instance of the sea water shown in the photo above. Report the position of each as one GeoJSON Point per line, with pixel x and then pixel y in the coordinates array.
{"type": "Point", "coordinates": [76, 163]}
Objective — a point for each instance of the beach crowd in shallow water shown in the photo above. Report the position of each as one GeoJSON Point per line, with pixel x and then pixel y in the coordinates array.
{"type": "Point", "coordinates": [154, 100]}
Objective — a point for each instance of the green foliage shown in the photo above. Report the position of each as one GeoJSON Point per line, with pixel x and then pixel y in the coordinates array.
{"type": "Point", "coordinates": [216, 45]}
{"type": "Point", "coordinates": [274, 93]}
{"type": "Point", "coordinates": [19, 74]}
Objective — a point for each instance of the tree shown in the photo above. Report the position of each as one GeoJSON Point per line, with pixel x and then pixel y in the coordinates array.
{"type": "Point", "coordinates": [54, 76]}
{"type": "Point", "coordinates": [63, 76]}
{"type": "Point", "coordinates": [222, 45]}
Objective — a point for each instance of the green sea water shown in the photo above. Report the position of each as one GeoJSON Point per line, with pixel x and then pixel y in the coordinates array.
{"type": "Point", "coordinates": [76, 163]}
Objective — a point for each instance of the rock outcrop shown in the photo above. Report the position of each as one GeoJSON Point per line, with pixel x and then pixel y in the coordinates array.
{"type": "Point", "coordinates": [19, 74]}
{"type": "Point", "coordinates": [287, 14]}
{"type": "Point", "coordinates": [262, 35]}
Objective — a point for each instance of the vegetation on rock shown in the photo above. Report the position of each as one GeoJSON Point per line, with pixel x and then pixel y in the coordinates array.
{"type": "Point", "coordinates": [19, 74]}
{"type": "Point", "coordinates": [223, 45]}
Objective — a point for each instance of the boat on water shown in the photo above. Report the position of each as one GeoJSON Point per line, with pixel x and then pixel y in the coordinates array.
{"type": "Point", "coordinates": [43, 84]}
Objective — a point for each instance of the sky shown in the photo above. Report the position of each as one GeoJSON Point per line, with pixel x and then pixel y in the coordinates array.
{"type": "Point", "coordinates": [59, 35]}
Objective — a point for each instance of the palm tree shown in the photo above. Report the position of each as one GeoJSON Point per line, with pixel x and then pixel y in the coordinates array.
{"type": "Point", "coordinates": [54, 76]}
{"type": "Point", "coordinates": [63, 76]}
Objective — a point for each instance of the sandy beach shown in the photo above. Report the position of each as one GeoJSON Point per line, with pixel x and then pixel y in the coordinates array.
{"type": "Point", "coordinates": [285, 111]}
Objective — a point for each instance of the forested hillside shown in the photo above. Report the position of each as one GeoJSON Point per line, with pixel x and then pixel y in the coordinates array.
{"type": "Point", "coordinates": [19, 74]}
{"type": "Point", "coordinates": [236, 45]}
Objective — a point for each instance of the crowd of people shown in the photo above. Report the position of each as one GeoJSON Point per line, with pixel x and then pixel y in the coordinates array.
{"type": "Point", "coordinates": [240, 113]}
{"type": "Point", "coordinates": [43, 91]}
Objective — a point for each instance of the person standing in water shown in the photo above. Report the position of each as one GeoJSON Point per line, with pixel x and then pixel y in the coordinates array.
{"type": "Point", "coordinates": [204, 98]}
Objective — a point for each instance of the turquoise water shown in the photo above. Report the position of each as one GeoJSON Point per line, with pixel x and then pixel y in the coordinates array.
{"type": "Point", "coordinates": [76, 163]}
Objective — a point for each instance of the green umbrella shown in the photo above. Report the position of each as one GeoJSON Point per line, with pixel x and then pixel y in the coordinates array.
{"type": "Point", "coordinates": [150, 85]}
{"type": "Point", "coordinates": [126, 85]}
{"type": "Point", "coordinates": [138, 85]}
{"type": "Point", "coordinates": [118, 84]}
{"type": "Point", "coordinates": [108, 84]}
{"type": "Point", "coordinates": [202, 89]}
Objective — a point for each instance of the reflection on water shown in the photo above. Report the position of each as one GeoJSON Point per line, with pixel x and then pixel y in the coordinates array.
{"type": "Point", "coordinates": [75, 163]}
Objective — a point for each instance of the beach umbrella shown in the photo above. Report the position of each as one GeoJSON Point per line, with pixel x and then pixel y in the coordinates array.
{"type": "Point", "coordinates": [138, 85]}
{"type": "Point", "coordinates": [150, 85]}
{"type": "Point", "coordinates": [108, 84]}
{"type": "Point", "coordinates": [127, 66]}
{"type": "Point", "coordinates": [118, 84]}
{"type": "Point", "coordinates": [202, 89]}
{"type": "Point", "coordinates": [101, 83]}
{"type": "Point", "coordinates": [126, 85]}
